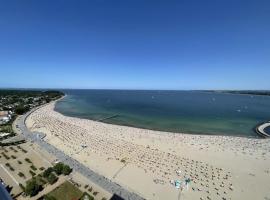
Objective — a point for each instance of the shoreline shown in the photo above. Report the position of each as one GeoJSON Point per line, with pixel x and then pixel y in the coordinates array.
{"type": "Point", "coordinates": [122, 147]}
{"type": "Point", "coordinates": [154, 130]}
{"type": "Point", "coordinates": [256, 135]}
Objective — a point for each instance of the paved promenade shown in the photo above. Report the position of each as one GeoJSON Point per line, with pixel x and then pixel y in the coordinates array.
{"type": "Point", "coordinates": [100, 180]}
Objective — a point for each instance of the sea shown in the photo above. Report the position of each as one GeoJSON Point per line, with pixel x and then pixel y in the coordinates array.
{"type": "Point", "coordinates": [192, 112]}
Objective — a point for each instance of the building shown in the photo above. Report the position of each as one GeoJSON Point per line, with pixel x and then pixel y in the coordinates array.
{"type": "Point", "coordinates": [4, 116]}
{"type": "Point", "coordinates": [3, 113]}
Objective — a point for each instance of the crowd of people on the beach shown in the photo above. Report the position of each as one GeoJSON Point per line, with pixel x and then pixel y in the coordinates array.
{"type": "Point", "coordinates": [115, 142]}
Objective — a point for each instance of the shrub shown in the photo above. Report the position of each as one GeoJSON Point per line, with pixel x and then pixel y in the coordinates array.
{"type": "Point", "coordinates": [32, 173]}
{"type": "Point", "coordinates": [43, 181]}
{"type": "Point", "coordinates": [47, 172]}
{"type": "Point", "coordinates": [58, 168]}
{"type": "Point", "coordinates": [66, 170]}
{"type": "Point", "coordinates": [23, 150]}
{"type": "Point", "coordinates": [32, 188]}
{"type": "Point", "coordinates": [6, 157]}
{"type": "Point", "coordinates": [33, 167]}
{"type": "Point", "coordinates": [61, 168]}
{"type": "Point", "coordinates": [14, 157]}
{"type": "Point", "coordinates": [28, 160]}
{"type": "Point", "coordinates": [9, 166]}
{"type": "Point", "coordinates": [41, 168]}
{"type": "Point", "coordinates": [52, 178]}
{"type": "Point", "coordinates": [21, 174]}
{"type": "Point", "coordinates": [21, 109]}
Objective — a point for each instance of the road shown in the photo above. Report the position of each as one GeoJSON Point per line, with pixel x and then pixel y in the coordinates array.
{"type": "Point", "coordinates": [98, 179]}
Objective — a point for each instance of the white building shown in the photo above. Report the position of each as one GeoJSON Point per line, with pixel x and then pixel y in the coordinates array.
{"type": "Point", "coordinates": [4, 116]}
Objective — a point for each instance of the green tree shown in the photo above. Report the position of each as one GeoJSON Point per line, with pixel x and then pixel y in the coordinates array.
{"type": "Point", "coordinates": [32, 187]}
{"type": "Point", "coordinates": [21, 109]}
{"type": "Point", "coordinates": [47, 172]}
{"type": "Point", "coordinates": [58, 168]}
{"type": "Point", "coordinates": [52, 178]}
{"type": "Point", "coordinates": [66, 170]}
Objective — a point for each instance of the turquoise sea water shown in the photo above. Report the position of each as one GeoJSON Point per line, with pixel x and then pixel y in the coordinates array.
{"type": "Point", "coordinates": [178, 111]}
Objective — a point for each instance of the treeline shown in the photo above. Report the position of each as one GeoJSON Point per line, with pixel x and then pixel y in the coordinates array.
{"type": "Point", "coordinates": [21, 101]}
{"type": "Point", "coordinates": [251, 92]}
{"type": "Point", "coordinates": [248, 92]}
{"type": "Point", "coordinates": [30, 93]}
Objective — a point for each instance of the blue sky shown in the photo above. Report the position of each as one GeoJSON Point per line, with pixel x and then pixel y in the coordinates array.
{"type": "Point", "coordinates": [139, 44]}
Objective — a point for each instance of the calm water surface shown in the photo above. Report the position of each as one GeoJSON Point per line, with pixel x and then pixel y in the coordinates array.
{"type": "Point", "coordinates": [177, 111]}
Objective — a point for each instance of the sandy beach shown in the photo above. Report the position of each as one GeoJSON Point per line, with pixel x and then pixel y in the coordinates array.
{"type": "Point", "coordinates": [146, 161]}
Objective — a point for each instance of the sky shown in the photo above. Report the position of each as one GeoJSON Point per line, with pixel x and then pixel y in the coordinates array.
{"type": "Point", "coordinates": [135, 44]}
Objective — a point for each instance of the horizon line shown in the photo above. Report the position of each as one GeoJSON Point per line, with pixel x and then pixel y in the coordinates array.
{"type": "Point", "coordinates": [49, 88]}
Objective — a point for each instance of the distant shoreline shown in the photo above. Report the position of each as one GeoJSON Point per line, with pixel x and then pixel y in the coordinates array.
{"type": "Point", "coordinates": [241, 92]}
